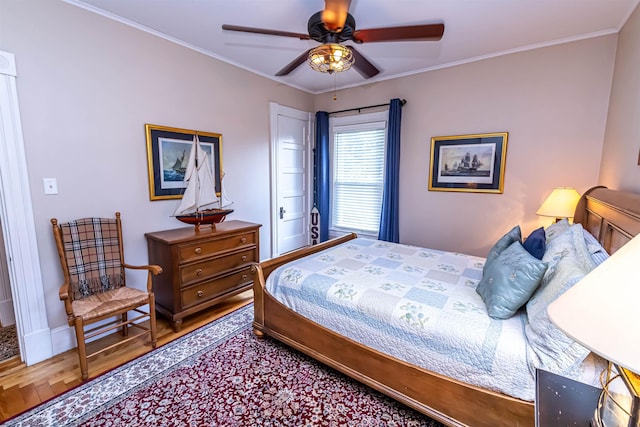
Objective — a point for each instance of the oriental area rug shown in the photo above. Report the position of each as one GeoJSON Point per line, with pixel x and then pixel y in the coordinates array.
{"type": "Point", "coordinates": [8, 342]}
{"type": "Point", "coordinates": [222, 375]}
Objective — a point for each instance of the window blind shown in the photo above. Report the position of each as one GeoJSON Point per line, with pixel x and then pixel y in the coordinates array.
{"type": "Point", "coordinates": [358, 174]}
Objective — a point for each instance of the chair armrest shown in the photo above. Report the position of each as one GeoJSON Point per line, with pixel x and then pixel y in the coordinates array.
{"type": "Point", "coordinates": [154, 269]}
{"type": "Point", "coordinates": [63, 293]}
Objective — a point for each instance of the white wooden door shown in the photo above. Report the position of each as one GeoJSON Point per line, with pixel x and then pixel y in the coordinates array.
{"type": "Point", "coordinates": [291, 178]}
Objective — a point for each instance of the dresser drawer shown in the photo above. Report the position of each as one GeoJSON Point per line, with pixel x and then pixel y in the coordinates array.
{"type": "Point", "coordinates": [210, 267]}
{"type": "Point", "coordinates": [194, 251]}
{"type": "Point", "coordinates": [205, 291]}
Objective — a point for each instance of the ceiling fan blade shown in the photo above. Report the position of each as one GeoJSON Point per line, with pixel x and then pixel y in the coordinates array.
{"type": "Point", "coordinates": [334, 14]}
{"type": "Point", "coordinates": [362, 65]}
{"type": "Point", "coordinates": [294, 64]}
{"type": "Point", "coordinates": [265, 31]}
{"type": "Point", "coordinates": [432, 32]}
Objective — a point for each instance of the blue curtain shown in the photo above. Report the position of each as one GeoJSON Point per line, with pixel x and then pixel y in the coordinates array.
{"type": "Point", "coordinates": [389, 221]}
{"type": "Point", "coordinates": [322, 173]}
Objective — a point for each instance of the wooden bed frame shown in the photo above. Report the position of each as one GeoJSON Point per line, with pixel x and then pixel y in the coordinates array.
{"type": "Point", "coordinates": [613, 217]}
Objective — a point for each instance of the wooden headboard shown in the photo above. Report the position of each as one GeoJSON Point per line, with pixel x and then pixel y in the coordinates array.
{"type": "Point", "coordinates": [612, 216]}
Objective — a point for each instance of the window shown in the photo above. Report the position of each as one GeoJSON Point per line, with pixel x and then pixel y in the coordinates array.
{"type": "Point", "coordinates": [357, 159]}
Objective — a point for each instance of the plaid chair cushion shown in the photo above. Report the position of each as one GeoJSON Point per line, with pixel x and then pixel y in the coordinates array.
{"type": "Point", "coordinates": [92, 250]}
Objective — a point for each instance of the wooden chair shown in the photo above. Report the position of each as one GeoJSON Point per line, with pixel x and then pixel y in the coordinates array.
{"type": "Point", "coordinates": [94, 288]}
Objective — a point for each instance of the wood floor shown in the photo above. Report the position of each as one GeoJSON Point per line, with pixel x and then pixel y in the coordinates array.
{"type": "Point", "coordinates": [23, 387]}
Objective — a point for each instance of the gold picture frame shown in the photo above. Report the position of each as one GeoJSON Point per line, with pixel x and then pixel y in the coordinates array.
{"type": "Point", "coordinates": [168, 149]}
{"type": "Point", "coordinates": [470, 163]}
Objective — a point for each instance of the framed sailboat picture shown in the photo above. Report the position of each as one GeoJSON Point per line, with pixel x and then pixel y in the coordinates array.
{"type": "Point", "coordinates": [168, 152]}
{"type": "Point", "coordinates": [472, 163]}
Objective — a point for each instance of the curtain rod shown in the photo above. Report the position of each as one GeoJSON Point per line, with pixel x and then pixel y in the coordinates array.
{"type": "Point", "coordinates": [402, 102]}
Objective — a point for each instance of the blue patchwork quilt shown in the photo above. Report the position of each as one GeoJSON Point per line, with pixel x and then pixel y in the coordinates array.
{"type": "Point", "coordinates": [418, 305]}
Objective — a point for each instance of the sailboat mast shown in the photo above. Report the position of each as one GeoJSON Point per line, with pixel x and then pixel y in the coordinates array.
{"type": "Point", "coordinates": [197, 175]}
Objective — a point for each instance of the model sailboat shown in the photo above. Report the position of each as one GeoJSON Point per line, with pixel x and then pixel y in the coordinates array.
{"type": "Point", "coordinates": [198, 204]}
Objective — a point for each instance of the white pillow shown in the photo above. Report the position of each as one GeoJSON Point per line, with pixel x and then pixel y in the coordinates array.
{"type": "Point", "coordinates": [569, 261]}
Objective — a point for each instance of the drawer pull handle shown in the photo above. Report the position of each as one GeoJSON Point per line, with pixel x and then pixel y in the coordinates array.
{"type": "Point", "coordinates": [198, 272]}
{"type": "Point", "coordinates": [200, 294]}
{"type": "Point", "coordinates": [244, 277]}
{"type": "Point", "coordinates": [198, 251]}
{"type": "Point", "coordinates": [243, 240]}
{"type": "Point", "coordinates": [244, 257]}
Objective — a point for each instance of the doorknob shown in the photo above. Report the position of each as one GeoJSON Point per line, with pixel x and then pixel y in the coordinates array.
{"type": "Point", "coordinates": [282, 211]}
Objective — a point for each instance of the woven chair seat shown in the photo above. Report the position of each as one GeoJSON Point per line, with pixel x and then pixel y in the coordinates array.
{"type": "Point", "coordinates": [107, 302]}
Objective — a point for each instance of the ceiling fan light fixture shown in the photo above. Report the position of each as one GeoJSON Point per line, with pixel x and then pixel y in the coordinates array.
{"type": "Point", "coordinates": [331, 58]}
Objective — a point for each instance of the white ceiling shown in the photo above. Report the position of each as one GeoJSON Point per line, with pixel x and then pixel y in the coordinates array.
{"type": "Point", "coordinates": [474, 29]}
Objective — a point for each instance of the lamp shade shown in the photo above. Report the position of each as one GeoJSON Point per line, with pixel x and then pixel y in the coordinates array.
{"type": "Point", "coordinates": [601, 310]}
{"type": "Point", "coordinates": [561, 203]}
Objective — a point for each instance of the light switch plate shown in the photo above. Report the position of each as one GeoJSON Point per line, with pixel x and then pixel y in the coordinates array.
{"type": "Point", "coordinates": [50, 186]}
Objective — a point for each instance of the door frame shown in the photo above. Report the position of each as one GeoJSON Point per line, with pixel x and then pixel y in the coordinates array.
{"type": "Point", "coordinates": [276, 110]}
{"type": "Point", "coordinates": [18, 225]}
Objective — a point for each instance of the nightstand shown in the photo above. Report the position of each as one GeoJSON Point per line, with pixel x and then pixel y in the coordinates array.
{"type": "Point", "coordinates": [562, 402]}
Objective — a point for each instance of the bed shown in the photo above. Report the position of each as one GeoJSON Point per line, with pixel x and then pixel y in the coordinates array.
{"type": "Point", "coordinates": [611, 217]}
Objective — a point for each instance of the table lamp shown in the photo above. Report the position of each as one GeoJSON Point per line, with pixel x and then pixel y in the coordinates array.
{"type": "Point", "coordinates": [601, 313]}
{"type": "Point", "coordinates": [560, 204]}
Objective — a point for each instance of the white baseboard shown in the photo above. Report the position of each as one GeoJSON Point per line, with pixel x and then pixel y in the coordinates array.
{"type": "Point", "coordinates": [63, 339]}
{"type": "Point", "coordinates": [37, 347]}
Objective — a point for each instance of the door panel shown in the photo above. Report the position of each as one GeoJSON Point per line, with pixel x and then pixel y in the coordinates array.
{"type": "Point", "coordinates": [292, 176]}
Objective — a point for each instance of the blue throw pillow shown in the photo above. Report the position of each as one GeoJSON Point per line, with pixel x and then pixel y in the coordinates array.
{"type": "Point", "coordinates": [536, 243]}
{"type": "Point", "coordinates": [510, 281]}
{"type": "Point", "coordinates": [514, 235]}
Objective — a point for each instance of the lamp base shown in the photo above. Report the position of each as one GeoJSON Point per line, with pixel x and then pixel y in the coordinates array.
{"type": "Point", "coordinates": [619, 408]}
{"type": "Point", "coordinates": [632, 381]}
{"type": "Point", "coordinates": [596, 421]}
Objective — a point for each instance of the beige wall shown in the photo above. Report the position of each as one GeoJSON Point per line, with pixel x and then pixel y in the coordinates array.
{"type": "Point", "coordinates": [621, 154]}
{"type": "Point", "coordinates": [87, 85]}
{"type": "Point", "coordinates": [552, 101]}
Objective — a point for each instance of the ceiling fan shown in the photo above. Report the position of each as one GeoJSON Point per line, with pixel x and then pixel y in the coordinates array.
{"type": "Point", "coordinates": [335, 25]}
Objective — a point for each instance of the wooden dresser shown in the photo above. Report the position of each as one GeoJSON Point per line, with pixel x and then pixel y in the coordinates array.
{"type": "Point", "coordinates": [201, 268]}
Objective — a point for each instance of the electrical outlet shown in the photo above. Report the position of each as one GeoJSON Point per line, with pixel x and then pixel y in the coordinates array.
{"type": "Point", "coordinates": [50, 186]}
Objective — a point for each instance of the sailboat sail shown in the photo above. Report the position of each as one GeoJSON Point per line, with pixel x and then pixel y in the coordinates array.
{"type": "Point", "coordinates": [201, 189]}
{"type": "Point", "coordinates": [196, 206]}
{"type": "Point", "coordinates": [224, 199]}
